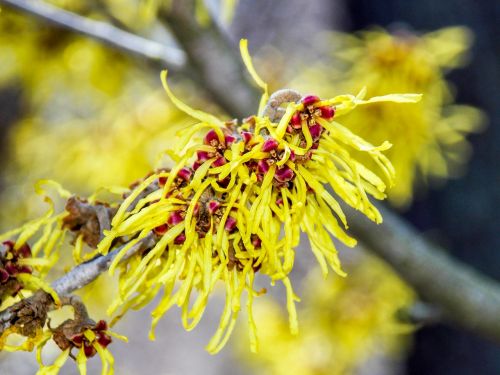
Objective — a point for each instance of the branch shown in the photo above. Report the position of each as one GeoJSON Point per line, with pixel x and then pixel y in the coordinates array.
{"type": "Point", "coordinates": [464, 297]}
{"type": "Point", "coordinates": [174, 58]}
{"type": "Point", "coordinates": [87, 272]}
{"type": "Point", "coordinates": [216, 63]}
{"type": "Point", "coordinates": [79, 276]}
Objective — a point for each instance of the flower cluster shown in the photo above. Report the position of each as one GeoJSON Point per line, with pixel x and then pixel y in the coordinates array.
{"type": "Point", "coordinates": [236, 201]}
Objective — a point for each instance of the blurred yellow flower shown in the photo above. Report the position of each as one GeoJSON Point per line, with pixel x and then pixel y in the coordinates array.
{"type": "Point", "coordinates": [344, 323]}
{"type": "Point", "coordinates": [429, 138]}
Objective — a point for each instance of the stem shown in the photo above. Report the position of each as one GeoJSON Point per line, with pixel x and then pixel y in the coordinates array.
{"type": "Point", "coordinates": [463, 296]}
{"type": "Point", "coordinates": [174, 58]}
{"type": "Point", "coordinates": [214, 60]}
{"type": "Point", "coordinates": [79, 276]}
{"type": "Point", "coordinates": [87, 272]}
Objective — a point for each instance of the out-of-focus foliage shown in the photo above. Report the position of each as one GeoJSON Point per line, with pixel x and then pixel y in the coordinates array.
{"type": "Point", "coordinates": [429, 138]}
{"type": "Point", "coordinates": [344, 322]}
{"type": "Point", "coordinates": [91, 116]}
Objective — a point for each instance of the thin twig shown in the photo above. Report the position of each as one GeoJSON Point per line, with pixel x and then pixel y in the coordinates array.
{"type": "Point", "coordinates": [174, 58]}
{"type": "Point", "coordinates": [463, 296]}
{"type": "Point", "coordinates": [87, 272]}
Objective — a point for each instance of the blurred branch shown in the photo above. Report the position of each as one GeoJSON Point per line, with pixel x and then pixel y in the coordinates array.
{"type": "Point", "coordinates": [174, 58]}
{"type": "Point", "coordinates": [208, 51]}
{"type": "Point", "coordinates": [217, 64]}
{"type": "Point", "coordinates": [463, 296]}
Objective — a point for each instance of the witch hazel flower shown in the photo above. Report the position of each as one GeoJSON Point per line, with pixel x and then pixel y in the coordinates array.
{"type": "Point", "coordinates": [236, 201]}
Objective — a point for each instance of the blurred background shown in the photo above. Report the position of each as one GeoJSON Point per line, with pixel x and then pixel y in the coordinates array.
{"type": "Point", "coordinates": [87, 115]}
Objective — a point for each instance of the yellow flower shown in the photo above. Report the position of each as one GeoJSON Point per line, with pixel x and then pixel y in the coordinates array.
{"type": "Point", "coordinates": [236, 200]}
{"type": "Point", "coordinates": [429, 137]}
{"type": "Point", "coordinates": [234, 204]}
{"type": "Point", "coordinates": [344, 321]}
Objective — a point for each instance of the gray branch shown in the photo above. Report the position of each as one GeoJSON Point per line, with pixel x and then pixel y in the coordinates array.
{"type": "Point", "coordinates": [87, 272]}
{"type": "Point", "coordinates": [80, 276]}
{"type": "Point", "coordinates": [215, 60]}
{"type": "Point", "coordinates": [174, 58]}
{"type": "Point", "coordinates": [463, 296]}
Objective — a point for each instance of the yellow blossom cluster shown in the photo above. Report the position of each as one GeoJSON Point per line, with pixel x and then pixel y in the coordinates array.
{"type": "Point", "coordinates": [236, 201]}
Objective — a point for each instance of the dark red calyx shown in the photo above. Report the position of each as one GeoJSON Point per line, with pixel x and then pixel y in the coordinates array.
{"type": "Point", "coordinates": [202, 156]}
{"type": "Point", "coordinates": [185, 174]}
{"type": "Point", "coordinates": [229, 139]}
{"type": "Point", "coordinates": [262, 166]}
{"type": "Point", "coordinates": [180, 239]}
{"type": "Point", "coordinates": [310, 100]}
{"type": "Point", "coordinates": [175, 218]}
{"type": "Point", "coordinates": [219, 162]}
{"type": "Point", "coordinates": [327, 112]}
{"type": "Point", "coordinates": [89, 350]}
{"type": "Point", "coordinates": [316, 131]}
{"type": "Point", "coordinates": [296, 120]}
{"type": "Point", "coordinates": [211, 138]}
{"type": "Point", "coordinates": [104, 340]}
{"type": "Point", "coordinates": [256, 241]}
{"type": "Point", "coordinates": [4, 275]}
{"type": "Point", "coordinates": [230, 224]}
{"type": "Point", "coordinates": [247, 136]}
{"type": "Point", "coordinates": [24, 269]}
{"type": "Point", "coordinates": [162, 180]}
{"type": "Point", "coordinates": [213, 206]}
{"type": "Point", "coordinates": [269, 144]}
{"type": "Point", "coordinates": [77, 339]}
{"type": "Point", "coordinates": [101, 326]}
{"type": "Point", "coordinates": [284, 174]}
{"type": "Point", "coordinates": [24, 251]}
{"type": "Point", "coordinates": [161, 229]}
